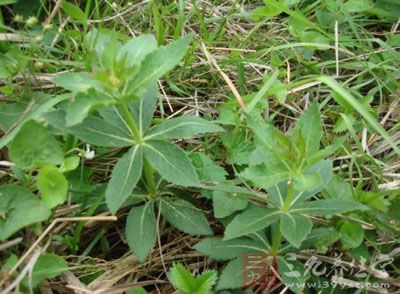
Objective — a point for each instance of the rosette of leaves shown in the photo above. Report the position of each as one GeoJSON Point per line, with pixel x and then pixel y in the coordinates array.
{"type": "Point", "coordinates": [113, 106]}
{"type": "Point", "coordinates": [292, 168]}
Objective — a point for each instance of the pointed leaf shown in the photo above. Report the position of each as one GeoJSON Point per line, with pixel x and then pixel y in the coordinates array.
{"type": "Point", "coordinates": [181, 278]}
{"type": "Point", "coordinates": [124, 178]}
{"type": "Point", "coordinates": [185, 217]}
{"type": "Point", "coordinates": [295, 228]}
{"type": "Point", "coordinates": [34, 145]}
{"type": "Point", "coordinates": [141, 232]}
{"type": "Point", "coordinates": [252, 220]}
{"type": "Point", "coordinates": [266, 175]}
{"type": "Point", "coordinates": [292, 273]}
{"type": "Point", "coordinates": [158, 63]}
{"type": "Point", "coordinates": [327, 207]}
{"type": "Point", "coordinates": [98, 132]}
{"type": "Point", "coordinates": [311, 129]}
{"type": "Point", "coordinates": [232, 275]}
{"type": "Point", "coordinates": [171, 162]}
{"type": "Point", "coordinates": [218, 249]}
{"type": "Point", "coordinates": [76, 81]}
{"type": "Point", "coordinates": [136, 49]}
{"type": "Point", "coordinates": [143, 108]}
{"type": "Point", "coordinates": [182, 127]}
{"type": "Point", "coordinates": [224, 204]}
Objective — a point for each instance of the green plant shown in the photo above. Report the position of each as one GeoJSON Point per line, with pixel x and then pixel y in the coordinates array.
{"type": "Point", "coordinates": [293, 169]}
{"type": "Point", "coordinates": [112, 105]}
{"type": "Point", "coordinates": [185, 283]}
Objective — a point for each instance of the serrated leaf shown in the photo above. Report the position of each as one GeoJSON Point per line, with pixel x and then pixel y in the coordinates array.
{"type": "Point", "coordinates": [136, 49]}
{"type": "Point", "coordinates": [181, 278]}
{"type": "Point", "coordinates": [141, 232]}
{"type": "Point", "coordinates": [182, 127]}
{"type": "Point", "coordinates": [124, 178]}
{"type": "Point", "coordinates": [171, 162]}
{"type": "Point", "coordinates": [231, 276]}
{"type": "Point", "coordinates": [34, 145]}
{"type": "Point", "coordinates": [218, 249]}
{"type": "Point", "coordinates": [47, 266]}
{"type": "Point", "coordinates": [19, 208]}
{"type": "Point", "coordinates": [224, 204]}
{"type": "Point", "coordinates": [52, 185]}
{"type": "Point", "coordinates": [295, 228]}
{"type": "Point", "coordinates": [158, 63]}
{"type": "Point", "coordinates": [185, 217]}
{"type": "Point", "coordinates": [252, 220]}
{"type": "Point", "coordinates": [327, 207]}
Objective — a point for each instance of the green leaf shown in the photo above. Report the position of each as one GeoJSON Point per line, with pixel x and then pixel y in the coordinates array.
{"type": "Point", "coordinates": [292, 274]}
{"type": "Point", "coordinates": [307, 182]}
{"type": "Point", "coordinates": [231, 276]}
{"type": "Point", "coordinates": [182, 127]}
{"type": "Point", "coordinates": [355, 6]}
{"type": "Point", "coordinates": [73, 11]}
{"type": "Point", "coordinates": [80, 107]}
{"type": "Point", "coordinates": [266, 175]}
{"type": "Point", "coordinates": [36, 111]}
{"type": "Point", "coordinates": [69, 164]}
{"type": "Point", "coordinates": [295, 228]}
{"type": "Point", "coordinates": [143, 108]}
{"type": "Point", "coordinates": [183, 281]}
{"type": "Point", "coordinates": [47, 266]}
{"type": "Point", "coordinates": [158, 63]}
{"type": "Point", "coordinates": [185, 217]}
{"type": "Point", "coordinates": [171, 162]}
{"type": "Point", "coordinates": [98, 132]}
{"type": "Point", "coordinates": [218, 249]}
{"type": "Point", "coordinates": [327, 207]}
{"type": "Point", "coordinates": [136, 49]}
{"type": "Point", "coordinates": [52, 185]}
{"type": "Point", "coordinates": [252, 220]}
{"type": "Point", "coordinates": [181, 278]}
{"type": "Point", "coordinates": [224, 204]}
{"type": "Point", "coordinates": [76, 81]}
{"type": "Point", "coordinates": [124, 178]}
{"type": "Point", "coordinates": [141, 232]}
{"type": "Point", "coordinates": [346, 97]}
{"type": "Point", "coordinates": [19, 208]}
{"type": "Point", "coordinates": [34, 145]}
{"type": "Point", "coordinates": [311, 129]}
{"type": "Point", "coordinates": [351, 234]}
{"type": "Point", "coordinates": [320, 41]}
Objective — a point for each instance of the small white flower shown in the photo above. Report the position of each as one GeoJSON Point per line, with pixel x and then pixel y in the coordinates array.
{"type": "Point", "coordinates": [89, 154]}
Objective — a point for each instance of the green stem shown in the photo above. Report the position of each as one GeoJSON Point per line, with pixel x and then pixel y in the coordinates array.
{"type": "Point", "coordinates": [131, 123]}
{"type": "Point", "coordinates": [289, 197]}
{"type": "Point", "coordinates": [276, 241]}
{"type": "Point", "coordinates": [148, 169]}
{"type": "Point", "coordinates": [149, 174]}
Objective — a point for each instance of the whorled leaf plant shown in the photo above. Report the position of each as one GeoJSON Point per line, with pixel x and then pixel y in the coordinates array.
{"type": "Point", "coordinates": [292, 168]}
{"type": "Point", "coordinates": [112, 105]}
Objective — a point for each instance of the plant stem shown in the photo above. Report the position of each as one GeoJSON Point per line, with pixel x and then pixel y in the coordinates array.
{"type": "Point", "coordinates": [276, 241]}
{"type": "Point", "coordinates": [148, 169]}
{"type": "Point", "coordinates": [149, 174]}
{"type": "Point", "coordinates": [131, 123]}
